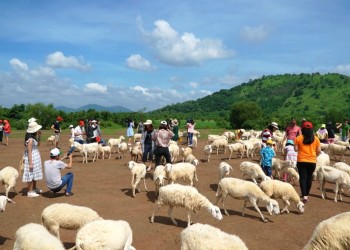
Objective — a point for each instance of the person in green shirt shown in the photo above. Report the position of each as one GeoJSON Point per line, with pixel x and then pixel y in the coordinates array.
{"type": "Point", "coordinates": [345, 127]}
{"type": "Point", "coordinates": [175, 124]}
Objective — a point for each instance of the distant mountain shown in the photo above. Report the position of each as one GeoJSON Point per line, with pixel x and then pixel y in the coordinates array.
{"type": "Point", "coordinates": [113, 109]}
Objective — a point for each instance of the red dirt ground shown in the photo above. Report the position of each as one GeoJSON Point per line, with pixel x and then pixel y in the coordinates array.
{"type": "Point", "coordinates": [105, 187]}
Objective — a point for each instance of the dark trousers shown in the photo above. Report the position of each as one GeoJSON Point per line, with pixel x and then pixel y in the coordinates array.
{"type": "Point", "coordinates": [1, 135]}
{"type": "Point", "coordinates": [147, 151]}
{"type": "Point", "coordinates": [305, 170]}
{"type": "Point", "coordinates": [162, 151]}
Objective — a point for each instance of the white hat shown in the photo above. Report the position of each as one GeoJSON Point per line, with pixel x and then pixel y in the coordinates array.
{"type": "Point", "coordinates": [274, 124]}
{"type": "Point", "coordinates": [148, 122]}
{"type": "Point", "coordinates": [32, 120]}
{"type": "Point", "coordinates": [55, 152]}
{"type": "Point", "coordinates": [71, 126]}
{"type": "Point", "coordinates": [175, 122]}
{"type": "Point", "coordinates": [94, 121]}
{"type": "Point", "coordinates": [33, 127]}
{"type": "Point", "coordinates": [163, 123]}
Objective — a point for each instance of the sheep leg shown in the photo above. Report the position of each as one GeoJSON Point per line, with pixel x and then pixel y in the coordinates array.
{"type": "Point", "coordinates": [286, 203]}
{"type": "Point", "coordinates": [244, 206]}
{"type": "Point", "coordinates": [144, 182]}
{"type": "Point", "coordinates": [188, 218]}
{"type": "Point", "coordinates": [170, 213]}
{"type": "Point", "coordinates": [336, 191]}
{"type": "Point", "coordinates": [133, 186]}
{"type": "Point", "coordinates": [155, 211]}
{"type": "Point", "coordinates": [258, 210]}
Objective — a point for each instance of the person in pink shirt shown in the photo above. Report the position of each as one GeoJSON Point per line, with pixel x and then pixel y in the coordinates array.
{"type": "Point", "coordinates": [292, 131]}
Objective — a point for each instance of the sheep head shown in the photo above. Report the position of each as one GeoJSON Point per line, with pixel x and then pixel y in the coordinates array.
{"type": "Point", "coordinates": [215, 212]}
{"type": "Point", "coordinates": [272, 206]}
{"type": "Point", "coordinates": [300, 207]}
{"type": "Point", "coordinates": [131, 164]}
{"type": "Point", "coordinates": [168, 167]}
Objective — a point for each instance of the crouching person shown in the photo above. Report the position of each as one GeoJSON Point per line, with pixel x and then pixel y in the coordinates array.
{"type": "Point", "coordinates": [53, 178]}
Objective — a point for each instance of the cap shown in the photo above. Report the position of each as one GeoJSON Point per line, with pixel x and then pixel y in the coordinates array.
{"type": "Point", "coordinates": [33, 127]}
{"type": "Point", "coordinates": [269, 142]}
{"type": "Point", "coordinates": [323, 125]}
{"type": "Point", "coordinates": [148, 122]}
{"type": "Point", "coordinates": [55, 152]}
{"type": "Point", "coordinates": [307, 125]}
{"type": "Point", "coordinates": [81, 123]}
{"type": "Point", "coordinates": [290, 142]}
{"type": "Point", "coordinates": [163, 123]}
{"type": "Point", "coordinates": [274, 124]}
{"type": "Point", "coordinates": [59, 118]}
{"type": "Point", "coordinates": [71, 126]}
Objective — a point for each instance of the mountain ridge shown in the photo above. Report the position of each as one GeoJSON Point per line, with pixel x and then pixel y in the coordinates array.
{"type": "Point", "coordinates": [113, 109]}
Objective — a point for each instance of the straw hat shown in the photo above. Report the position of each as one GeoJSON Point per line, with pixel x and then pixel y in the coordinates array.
{"type": "Point", "coordinates": [147, 122]}
{"type": "Point", "coordinates": [175, 122]}
{"type": "Point", "coordinates": [33, 127]}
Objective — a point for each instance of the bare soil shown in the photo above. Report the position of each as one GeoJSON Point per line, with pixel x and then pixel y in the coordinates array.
{"type": "Point", "coordinates": [105, 187]}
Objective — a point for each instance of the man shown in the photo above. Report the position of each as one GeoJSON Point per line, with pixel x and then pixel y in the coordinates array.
{"type": "Point", "coordinates": [90, 132]}
{"type": "Point", "coordinates": [57, 128]}
{"type": "Point", "coordinates": [292, 131]}
{"type": "Point", "coordinates": [53, 178]}
{"type": "Point", "coordinates": [79, 131]}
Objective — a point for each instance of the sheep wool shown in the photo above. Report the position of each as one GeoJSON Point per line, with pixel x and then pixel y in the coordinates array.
{"type": "Point", "coordinates": [159, 175]}
{"type": "Point", "coordinates": [3, 202]}
{"type": "Point", "coordinates": [252, 170]}
{"type": "Point", "coordinates": [181, 170]}
{"type": "Point", "coordinates": [8, 178]}
{"type": "Point", "coordinates": [138, 172]}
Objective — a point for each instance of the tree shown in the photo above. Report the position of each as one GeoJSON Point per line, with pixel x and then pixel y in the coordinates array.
{"type": "Point", "coordinates": [243, 114]}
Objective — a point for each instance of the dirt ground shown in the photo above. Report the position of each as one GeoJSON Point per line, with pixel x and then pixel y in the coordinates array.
{"type": "Point", "coordinates": [105, 187]}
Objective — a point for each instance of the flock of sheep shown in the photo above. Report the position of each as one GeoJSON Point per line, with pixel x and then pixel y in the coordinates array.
{"type": "Point", "coordinates": [254, 187]}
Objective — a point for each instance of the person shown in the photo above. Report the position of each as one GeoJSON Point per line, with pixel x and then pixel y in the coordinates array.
{"type": "Point", "coordinates": [267, 153]}
{"type": "Point", "coordinates": [292, 130]}
{"type": "Point", "coordinates": [90, 131]}
{"type": "Point", "coordinates": [97, 132]}
{"type": "Point", "coordinates": [322, 134]}
{"type": "Point", "coordinates": [162, 138]}
{"type": "Point", "coordinates": [53, 168]}
{"type": "Point", "coordinates": [175, 130]}
{"type": "Point", "coordinates": [190, 130]}
{"type": "Point", "coordinates": [130, 130]}
{"type": "Point", "coordinates": [1, 130]}
{"type": "Point", "coordinates": [267, 133]}
{"type": "Point", "coordinates": [79, 131]}
{"type": "Point", "coordinates": [71, 127]}
{"type": "Point", "coordinates": [344, 130]}
{"type": "Point", "coordinates": [140, 127]}
{"type": "Point", "coordinates": [57, 128]}
{"type": "Point", "coordinates": [290, 155]}
{"type": "Point", "coordinates": [331, 133]}
{"type": "Point", "coordinates": [308, 147]}
{"type": "Point", "coordinates": [239, 133]}
{"type": "Point", "coordinates": [147, 143]}
{"type": "Point", "coordinates": [7, 131]}
{"type": "Point", "coordinates": [32, 161]}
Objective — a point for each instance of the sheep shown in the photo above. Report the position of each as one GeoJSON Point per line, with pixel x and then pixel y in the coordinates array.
{"type": "Point", "coordinates": [321, 160]}
{"type": "Point", "coordinates": [208, 150]}
{"type": "Point", "coordinates": [35, 236]}
{"type": "Point", "coordinates": [122, 149]}
{"type": "Point", "coordinates": [252, 170]}
{"type": "Point", "coordinates": [279, 142]}
{"type": "Point", "coordinates": [229, 135]}
{"type": "Point", "coordinates": [137, 137]}
{"type": "Point", "coordinates": [278, 164]}
{"type": "Point", "coordinates": [236, 147]}
{"type": "Point", "coordinates": [138, 171]}
{"type": "Point", "coordinates": [105, 234]}
{"type": "Point", "coordinates": [50, 140]}
{"type": "Point", "coordinates": [113, 143]}
{"type": "Point", "coordinates": [192, 159]}
{"type": "Point", "coordinates": [206, 237]}
{"type": "Point", "coordinates": [66, 216]}
{"type": "Point", "coordinates": [159, 175]}
{"type": "Point", "coordinates": [174, 151]}
{"type": "Point", "coordinates": [332, 233]}
{"type": "Point", "coordinates": [342, 166]}
{"type": "Point", "coordinates": [176, 195]}
{"type": "Point", "coordinates": [8, 178]}
{"type": "Point", "coordinates": [136, 152]}
{"type": "Point", "coordinates": [3, 202]}
{"type": "Point", "coordinates": [212, 138]}
{"type": "Point", "coordinates": [248, 191]}
{"type": "Point", "coordinates": [324, 147]}
{"type": "Point", "coordinates": [182, 170]}
{"type": "Point", "coordinates": [224, 170]}
{"type": "Point", "coordinates": [332, 175]}
{"type": "Point", "coordinates": [185, 152]}
{"type": "Point", "coordinates": [86, 149]}
{"type": "Point", "coordinates": [104, 149]}
{"type": "Point", "coordinates": [194, 141]}
{"type": "Point", "coordinates": [284, 191]}
{"type": "Point", "coordinates": [292, 174]}
{"type": "Point", "coordinates": [219, 143]}
{"type": "Point", "coordinates": [335, 149]}
{"type": "Point", "coordinates": [343, 143]}
{"type": "Point", "coordinates": [251, 146]}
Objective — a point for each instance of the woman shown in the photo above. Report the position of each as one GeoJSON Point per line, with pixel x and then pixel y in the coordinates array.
{"type": "Point", "coordinates": [32, 160]}
{"type": "Point", "coordinates": [130, 130]}
{"type": "Point", "coordinates": [322, 134]}
{"type": "Point", "coordinates": [162, 138]}
{"type": "Point", "coordinates": [147, 143]}
{"type": "Point", "coordinates": [175, 130]}
{"type": "Point", "coordinates": [190, 130]}
{"type": "Point", "coordinates": [7, 131]}
{"type": "Point", "coordinates": [331, 133]}
{"type": "Point", "coordinates": [308, 147]}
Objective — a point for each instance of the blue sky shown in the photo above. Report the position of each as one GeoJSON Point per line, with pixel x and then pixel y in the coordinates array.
{"type": "Point", "coordinates": [148, 54]}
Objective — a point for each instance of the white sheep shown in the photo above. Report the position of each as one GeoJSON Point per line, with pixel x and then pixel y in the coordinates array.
{"type": "Point", "coordinates": [185, 152]}
{"type": "Point", "coordinates": [224, 170]}
{"type": "Point", "coordinates": [66, 216]}
{"type": "Point", "coordinates": [324, 147]}
{"type": "Point", "coordinates": [105, 234]}
{"type": "Point", "coordinates": [87, 149]}
{"type": "Point", "coordinates": [137, 137]}
{"type": "Point", "coordinates": [229, 135]}
{"type": "Point", "coordinates": [322, 159]}
{"type": "Point", "coordinates": [136, 152]}
{"type": "Point", "coordinates": [343, 143]}
{"type": "Point", "coordinates": [285, 191]}
{"type": "Point", "coordinates": [247, 191]}
{"type": "Point", "coordinates": [208, 150]}
{"type": "Point", "coordinates": [35, 236]}
{"type": "Point", "coordinates": [206, 237]}
{"type": "Point", "coordinates": [159, 175]}
{"type": "Point", "coordinates": [278, 164]}
{"type": "Point", "coordinates": [251, 146]}
{"type": "Point", "coordinates": [102, 150]}
{"type": "Point", "coordinates": [335, 149]}
{"type": "Point", "coordinates": [113, 143]}
{"type": "Point", "coordinates": [174, 151]}
{"type": "Point", "coordinates": [176, 195]}
{"type": "Point", "coordinates": [332, 233]}
{"type": "Point", "coordinates": [212, 138]}
{"type": "Point", "coordinates": [292, 174]}
{"type": "Point", "coordinates": [192, 159]}
{"type": "Point", "coordinates": [8, 178]}
{"type": "Point", "coordinates": [182, 170]}
{"type": "Point", "coordinates": [236, 147]}
{"type": "Point", "coordinates": [50, 140]}
{"type": "Point", "coordinates": [138, 172]}
{"type": "Point", "coordinates": [122, 149]}
{"type": "Point", "coordinates": [3, 202]}
{"type": "Point", "coordinates": [253, 171]}
{"type": "Point", "coordinates": [219, 143]}
{"type": "Point", "coordinates": [342, 166]}
{"type": "Point", "coordinates": [194, 141]}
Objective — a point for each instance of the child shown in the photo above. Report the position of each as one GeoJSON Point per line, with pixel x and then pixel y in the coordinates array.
{"type": "Point", "coordinates": [267, 153]}
{"type": "Point", "coordinates": [290, 155]}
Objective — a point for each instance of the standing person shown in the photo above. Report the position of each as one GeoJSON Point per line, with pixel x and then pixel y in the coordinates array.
{"type": "Point", "coordinates": [162, 138]}
{"type": "Point", "coordinates": [90, 132]}
{"type": "Point", "coordinates": [147, 143]}
{"type": "Point", "coordinates": [130, 130]}
{"type": "Point", "coordinates": [7, 131]}
{"type": "Point", "coordinates": [322, 134]}
{"type": "Point", "coordinates": [71, 127]}
{"type": "Point", "coordinates": [308, 147]}
{"type": "Point", "coordinates": [344, 130]}
{"type": "Point", "coordinates": [292, 130]}
{"type": "Point", "coordinates": [239, 133]}
{"type": "Point", "coordinates": [140, 127]}
{"type": "Point", "coordinates": [32, 160]}
{"type": "Point", "coordinates": [1, 130]}
{"type": "Point", "coordinates": [97, 132]}
{"type": "Point", "coordinates": [267, 133]}
{"type": "Point", "coordinates": [57, 128]}
{"type": "Point", "coordinates": [267, 153]}
{"type": "Point", "coordinates": [79, 131]}
{"type": "Point", "coordinates": [53, 168]}
{"type": "Point", "coordinates": [331, 133]}
{"type": "Point", "coordinates": [175, 130]}
{"type": "Point", "coordinates": [190, 130]}
{"type": "Point", "coordinates": [290, 155]}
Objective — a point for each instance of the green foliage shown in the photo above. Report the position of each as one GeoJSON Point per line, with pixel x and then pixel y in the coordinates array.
{"type": "Point", "coordinates": [245, 114]}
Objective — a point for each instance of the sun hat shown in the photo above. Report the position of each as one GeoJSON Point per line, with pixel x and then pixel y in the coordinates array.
{"type": "Point", "coordinates": [55, 152]}
{"type": "Point", "coordinates": [71, 126]}
{"type": "Point", "coordinates": [274, 124]}
{"type": "Point", "coordinates": [33, 127]}
{"type": "Point", "coordinates": [269, 142]}
{"type": "Point", "coordinates": [242, 130]}
{"type": "Point", "coordinates": [148, 122]}
{"type": "Point", "coordinates": [81, 123]}
{"type": "Point", "coordinates": [323, 125]}
{"type": "Point", "coordinates": [163, 123]}
{"type": "Point", "coordinates": [59, 118]}
{"type": "Point", "coordinates": [307, 125]}
{"type": "Point", "coordinates": [290, 142]}
{"type": "Point", "coordinates": [32, 120]}
{"type": "Point", "coordinates": [175, 122]}
{"type": "Point", "coordinates": [94, 121]}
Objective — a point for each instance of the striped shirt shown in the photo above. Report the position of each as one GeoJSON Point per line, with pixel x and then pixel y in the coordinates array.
{"type": "Point", "coordinates": [266, 135]}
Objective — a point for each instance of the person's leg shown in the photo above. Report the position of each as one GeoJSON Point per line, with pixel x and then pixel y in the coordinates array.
{"type": "Point", "coordinates": [167, 155]}
{"type": "Point", "coordinates": [1, 135]}
{"type": "Point", "coordinates": [190, 137]}
{"type": "Point", "coordinates": [67, 180]}
{"type": "Point", "coordinates": [303, 178]}
{"type": "Point", "coordinates": [310, 170]}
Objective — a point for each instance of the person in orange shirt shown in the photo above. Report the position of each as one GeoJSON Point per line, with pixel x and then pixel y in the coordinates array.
{"type": "Point", "coordinates": [7, 131]}
{"type": "Point", "coordinates": [308, 147]}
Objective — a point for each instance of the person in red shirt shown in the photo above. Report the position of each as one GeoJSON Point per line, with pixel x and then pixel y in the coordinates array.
{"type": "Point", "coordinates": [292, 131]}
{"type": "Point", "coordinates": [7, 131]}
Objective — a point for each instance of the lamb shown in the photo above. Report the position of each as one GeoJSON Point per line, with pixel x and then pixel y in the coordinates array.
{"type": "Point", "coordinates": [208, 150]}
{"type": "Point", "coordinates": [342, 166]}
{"type": "Point", "coordinates": [113, 143]}
{"type": "Point", "coordinates": [284, 191]}
{"type": "Point", "coordinates": [66, 216]}
{"type": "Point", "coordinates": [248, 191]}
{"type": "Point", "coordinates": [219, 143]}
{"type": "Point", "coordinates": [8, 177]}
{"type": "Point", "coordinates": [253, 171]}
{"type": "Point", "coordinates": [86, 149]}
{"type": "Point", "coordinates": [174, 151]}
{"type": "Point", "coordinates": [136, 152]}
{"type": "Point", "coordinates": [185, 152]}
{"type": "Point", "coordinates": [278, 165]}
{"type": "Point", "coordinates": [292, 174]}
{"type": "Point", "coordinates": [138, 171]}
{"type": "Point", "coordinates": [212, 138]}
{"type": "Point", "coordinates": [236, 147]}
{"type": "Point", "coordinates": [122, 149]}
{"type": "Point", "coordinates": [159, 175]}
{"type": "Point", "coordinates": [50, 140]}
{"type": "Point", "coordinates": [137, 137]}
{"type": "Point", "coordinates": [103, 150]}
{"type": "Point", "coordinates": [321, 160]}
{"type": "Point", "coordinates": [176, 195]}
{"type": "Point", "coordinates": [35, 236]}
{"type": "Point", "coordinates": [105, 234]}
{"type": "Point", "coordinates": [251, 146]}
{"type": "Point", "coordinates": [194, 141]}
{"type": "Point", "coordinates": [182, 170]}
{"type": "Point", "coordinates": [229, 135]}
{"type": "Point", "coordinates": [3, 202]}
{"type": "Point", "coordinates": [332, 233]}
{"type": "Point", "coordinates": [192, 159]}
{"type": "Point", "coordinates": [332, 175]}
{"type": "Point", "coordinates": [224, 170]}
{"type": "Point", "coordinates": [343, 143]}
{"type": "Point", "coordinates": [206, 237]}
{"type": "Point", "coordinates": [335, 149]}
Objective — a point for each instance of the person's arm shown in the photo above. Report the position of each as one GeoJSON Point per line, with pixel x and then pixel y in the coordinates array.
{"type": "Point", "coordinates": [318, 150]}
{"type": "Point", "coordinates": [70, 164]}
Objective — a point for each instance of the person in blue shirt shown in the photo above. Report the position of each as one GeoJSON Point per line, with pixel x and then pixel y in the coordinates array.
{"type": "Point", "coordinates": [267, 153]}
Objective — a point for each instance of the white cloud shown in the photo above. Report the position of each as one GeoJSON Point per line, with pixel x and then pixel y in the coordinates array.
{"type": "Point", "coordinates": [194, 84]}
{"type": "Point", "coordinates": [144, 91]}
{"type": "Point", "coordinates": [255, 34]}
{"type": "Point", "coordinates": [59, 60]}
{"type": "Point", "coordinates": [206, 92]}
{"type": "Point", "coordinates": [343, 69]}
{"type": "Point", "coordinates": [95, 87]}
{"type": "Point", "coordinates": [136, 61]}
{"type": "Point", "coordinates": [18, 65]}
{"type": "Point", "coordinates": [183, 50]}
